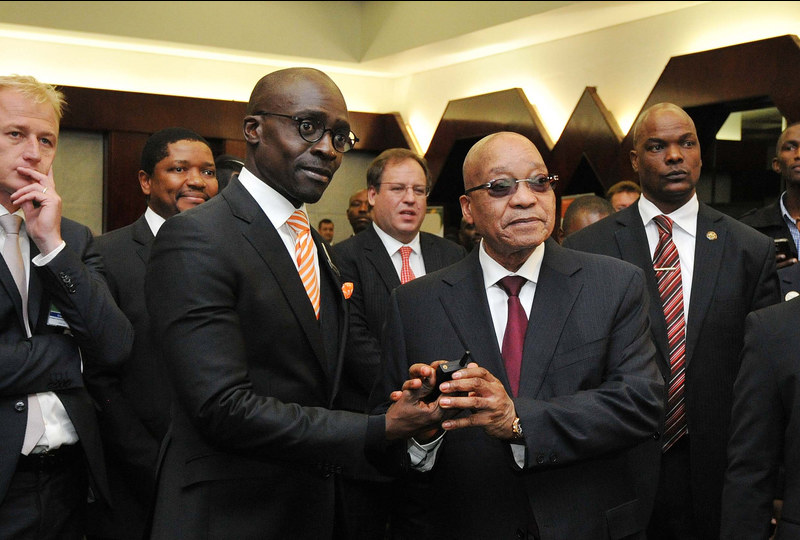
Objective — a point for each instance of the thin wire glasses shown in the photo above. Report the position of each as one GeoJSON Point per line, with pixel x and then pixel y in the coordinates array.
{"type": "Point", "coordinates": [399, 190]}
{"type": "Point", "coordinates": [312, 130]}
{"type": "Point", "coordinates": [505, 187]}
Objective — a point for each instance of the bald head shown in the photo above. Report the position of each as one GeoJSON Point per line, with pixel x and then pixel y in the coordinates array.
{"type": "Point", "coordinates": [487, 157]}
{"type": "Point", "coordinates": [657, 109]}
{"type": "Point", "coordinates": [276, 84]}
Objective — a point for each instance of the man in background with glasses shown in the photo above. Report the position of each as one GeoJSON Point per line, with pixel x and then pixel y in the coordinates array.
{"type": "Point", "coordinates": [250, 317]}
{"type": "Point", "coordinates": [390, 252]}
{"type": "Point", "coordinates": [560, 382]}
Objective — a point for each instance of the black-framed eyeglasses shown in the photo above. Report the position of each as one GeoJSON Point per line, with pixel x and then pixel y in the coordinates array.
{"type": "Point", "coordinates": [399, 190]}
{"type": "Point", "coordinates": [312, 130]}
{"type": "Point", "coordinates": [505, 187]}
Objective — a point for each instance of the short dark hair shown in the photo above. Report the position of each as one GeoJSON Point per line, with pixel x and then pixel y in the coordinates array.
{"type": "Point", "coordinates": [588, 203]}
{"type": "Point", "coordinates": [376, 168]}
{"type": "Point", "coordinates": [623, 186]}
{"type": "Point", "coordinates": [227, 165]}
{"type": "Point", "coordinates": [156, 147]}
{"type": "Point", "coordinates": [324, 221]}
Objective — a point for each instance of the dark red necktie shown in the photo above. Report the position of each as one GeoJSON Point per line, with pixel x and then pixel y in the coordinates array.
{"type": "Point", "coordinates": [667, 266]}
{"type": "Point", "coordinates": [514, 337]}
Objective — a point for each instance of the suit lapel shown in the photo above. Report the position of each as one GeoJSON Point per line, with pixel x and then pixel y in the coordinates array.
{"type": "Point", "coordinates": [431, 256]}
{"type": "Point", "coordinates": [556, 293]}
{"type": "Point", "coordinates": [375, 253]}
{"type": "Point", "coordinates": [469, 314]}
{"type": "Point", "coordinates": [11, 288]}
{"type": "Point", "coordinates": [707, 262]}
{"type": "Point", "coordinates": [143, 236]}
{"type": "Point", "coordinates": [259, 232]}
{"type": "Point", "coordinates": [38, 301]}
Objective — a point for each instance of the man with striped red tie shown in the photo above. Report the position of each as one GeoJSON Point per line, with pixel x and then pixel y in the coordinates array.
{"type": "Point", "coordinates": [705, 273]}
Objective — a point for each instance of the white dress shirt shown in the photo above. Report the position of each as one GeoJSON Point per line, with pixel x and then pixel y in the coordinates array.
{"type": "Point", "coordinates": [393, 246]}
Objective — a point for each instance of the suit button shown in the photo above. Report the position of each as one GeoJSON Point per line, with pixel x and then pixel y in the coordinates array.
{"type": "Point", "coordinates": [540, 459]}
{"type": "Point", "coordinates": [19, 406]}
{"type": "Point", "coordinates": [553, 458]}
{"type": "Point", "coordinates": [520, 534]}
{"type": "Point", "coordinates": [656, 436]}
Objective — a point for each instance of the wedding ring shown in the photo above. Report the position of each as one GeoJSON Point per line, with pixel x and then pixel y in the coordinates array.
{"type": "Point", "coordinates": [44, 191]}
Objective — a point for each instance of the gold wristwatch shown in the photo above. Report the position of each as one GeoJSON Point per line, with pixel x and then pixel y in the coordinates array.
{"type": "Point", "coordinates": [516, 429]}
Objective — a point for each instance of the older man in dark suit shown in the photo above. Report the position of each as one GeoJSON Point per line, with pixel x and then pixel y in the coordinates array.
{"type": "Point", "coordinates": [705, 272]}
{"type": "Point", "coordinates": [177, 173]}
{"type": "Point", "coordinates": [57, 321]}
{"type": "Point", "coordinates": [563, 382]}
{"type": "Point", "coordinates": [250, 317]}
{"type": "Point", "coordinates": [386, 254]}
{"type": "Point", "coordinates": [764, 447]}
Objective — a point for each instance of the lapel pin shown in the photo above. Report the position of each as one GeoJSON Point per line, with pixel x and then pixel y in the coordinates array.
{"type": "Point", "coordinates": [791, 294]}
{"type": "Point", "coordinates": [711, 235]}
{"type": "Point", "coordinates": [347, 289]}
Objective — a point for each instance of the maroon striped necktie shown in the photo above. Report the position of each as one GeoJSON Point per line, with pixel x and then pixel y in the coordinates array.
{"type": "Point", "coordinates": [514, 336]}
{"type": "Point", "coordinates": [667, 266]}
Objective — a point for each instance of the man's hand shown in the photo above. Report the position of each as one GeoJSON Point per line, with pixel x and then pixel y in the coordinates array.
{"type": "Point", "coordinates": [485, 396]}
{"type": "Point", "coordinates": [42, 207]}
{"type": "Point", "coordinates": [409, 416]}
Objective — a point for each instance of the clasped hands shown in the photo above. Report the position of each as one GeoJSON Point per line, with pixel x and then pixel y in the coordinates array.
{"type": "Point", "coordinates": [472, 389]}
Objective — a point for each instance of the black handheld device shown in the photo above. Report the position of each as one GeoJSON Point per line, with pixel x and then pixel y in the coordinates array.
{"type": "Point", "coordinates": [444, 372]}
{"type": "Point", "coordinates": [782, 247]}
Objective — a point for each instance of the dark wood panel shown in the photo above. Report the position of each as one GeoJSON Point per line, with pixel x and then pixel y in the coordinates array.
{"type": "Point", "coordinates": [124, 200]}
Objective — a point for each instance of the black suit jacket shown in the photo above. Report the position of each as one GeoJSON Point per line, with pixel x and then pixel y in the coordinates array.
{"type": "Point", "coordinates": [134, 401]}
{"type": "Point", "coordinates": [50, 360]}
{"type": "Point", "coordinates": [254, 442]}
{"type": "Point", "coordinates": [590, 391]}
{"type": "Point", "coordinates": [768, 220]}
{"type": "Point", "coordinates": [364, 261]}
{"type": "Point", "coordinates": [765, 430]}
{"type": "Point", "coordinates": [734, 273]}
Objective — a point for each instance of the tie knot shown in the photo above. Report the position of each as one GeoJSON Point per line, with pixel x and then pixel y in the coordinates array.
{"type": "Point", "coordinates": [405, 252]}
{"type": "Point", "coordinates": [298, 222]}
{"type": "Point", "coordinates": [11, 223]}
{"type": "Point", "coordinates": [663, 223]}
{"type": "Point", "coordinates": [512, 284]}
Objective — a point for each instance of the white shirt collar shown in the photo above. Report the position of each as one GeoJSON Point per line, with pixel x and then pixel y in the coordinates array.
{"type": "Point", "coordinates": [277, 208]}
{"type": "Point", "coordinates": [392, 244]}
{"type": "Point", "coordinates": [494, 271]}
{"type": "Point", "coordinates": [154, 221]}
{"type": "Point", "coordinates": [684, 217]}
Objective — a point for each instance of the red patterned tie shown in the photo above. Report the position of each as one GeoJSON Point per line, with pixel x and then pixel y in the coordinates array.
{"type": "Point", "coordinates": [406, 274]}
{"type": "Point", "coordinates": [514, 337]}
{"type": "Point", "coordinates": [667, 266]}
{"type": "Point", "coordinates": [304, 252]}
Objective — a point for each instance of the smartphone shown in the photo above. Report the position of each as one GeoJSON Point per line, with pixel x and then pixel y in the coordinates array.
{"type": "Point", "coordinates": [782, 248]}
{"type": "Point", "coordinates": [444, 372]}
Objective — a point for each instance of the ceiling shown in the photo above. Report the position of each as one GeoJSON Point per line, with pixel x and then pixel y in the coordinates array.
{"type": "Point", "coordinates": [378, 38]}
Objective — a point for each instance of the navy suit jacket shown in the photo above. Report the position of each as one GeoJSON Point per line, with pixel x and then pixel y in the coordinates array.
{"type": "Point", "coordinates": [134, 400]}
{"type": "Point", "coordinates": [734, 273]}
{"type": "Point", "coordinates": [590, 392]}
{"type": "Point", "coordinates": [50, 360]}
{"type": "Point", "coordinates": [769, 220]}
{"type": "Point", "coordinates": [254, 442]}
{"type": "Point", "coordinates": [364, 261]}
{"type": "Point", "coordinates": [765, 430]}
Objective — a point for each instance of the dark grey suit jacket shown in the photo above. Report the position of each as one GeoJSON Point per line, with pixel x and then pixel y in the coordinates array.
{"type": "Point", "coordinates": [590, 391]}
{"type": "Point", "coordinates": [51, 359]}
{"type": "Point", "coordinates": [769, 220]}
{"type": "Point", "coordinates": [134, 400]}
{"type": "Point", "coordinates": [363, 260]}
{"type": "Point", "coordinates": [765, 430]}
{"type": "Point", "coordinates": [734, 273]}
{"type": "Point", "coordinates": [254, 442]}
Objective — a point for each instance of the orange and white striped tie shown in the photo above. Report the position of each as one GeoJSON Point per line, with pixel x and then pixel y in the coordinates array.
{"type": "Point", "coordinates": [304, 253]}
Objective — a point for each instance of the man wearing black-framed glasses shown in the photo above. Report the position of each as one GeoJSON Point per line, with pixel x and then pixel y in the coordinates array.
{"type": "Point", "coordinates": [562, 383]}
{"type": "Point", "coordinates": [250, 316]}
